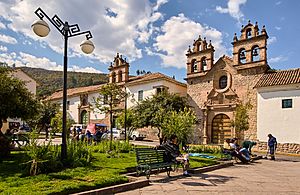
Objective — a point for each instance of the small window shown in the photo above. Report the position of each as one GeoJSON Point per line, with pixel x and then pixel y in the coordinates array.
{"type": "Point", "coordinates": [287, 103]}
{"type": "Point", "coordinates": [223, 82]}
{"type": "Point", "coordinates": [140, 95]}
{"type": "Point", "coordinates": [160, 90]}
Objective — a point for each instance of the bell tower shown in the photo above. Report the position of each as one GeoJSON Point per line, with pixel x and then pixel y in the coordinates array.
{"type": "Point", "coordinates": [250, 50]}
{"type": "Point", "coordinates": [201, 58]}
{"type": "Point", "coordinates": [118, 70]}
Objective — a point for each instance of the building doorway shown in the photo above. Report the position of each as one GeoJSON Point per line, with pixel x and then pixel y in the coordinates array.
{"type": "Point", "coordinates": [84, 117]}
{"type": "Point", "coordinates": [221, 129]}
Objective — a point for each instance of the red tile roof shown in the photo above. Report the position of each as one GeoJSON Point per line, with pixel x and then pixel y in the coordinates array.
{"type": "Point", "coordinates": [74, 91]}
{"type": "Point", "coordinates": [281, 77]}
{"type": "Point", "coordinates": [151, 77]}
{"type": "Point", "coordinates": [132, 81]}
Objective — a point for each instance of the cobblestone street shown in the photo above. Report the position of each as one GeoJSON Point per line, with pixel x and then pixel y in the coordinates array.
{"type": "Point", "coordinates": [261, 177]}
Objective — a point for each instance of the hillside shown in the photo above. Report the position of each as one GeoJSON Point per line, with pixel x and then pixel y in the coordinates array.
{"type": "Point", "coordinates": [49, 81]}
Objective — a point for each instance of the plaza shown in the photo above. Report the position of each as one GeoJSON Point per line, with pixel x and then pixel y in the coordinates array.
{"type": "Point", "coordinates": [260, 177]}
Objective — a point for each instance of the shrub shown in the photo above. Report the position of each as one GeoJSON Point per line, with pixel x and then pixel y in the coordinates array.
{"type": "Point", "coordinates": [117, 147]}
{"type": "Point", "coordinates": [78, 154]}
{"type": "Point", "coordinates": [213, 149]}
{"type": "Point", "coordinates": [46, 158]}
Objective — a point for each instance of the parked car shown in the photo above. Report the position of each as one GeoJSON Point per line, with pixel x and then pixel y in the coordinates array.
{"type": "Point", "coordinates": [117, 134]}
{"type": "Point", "coordinates": [135, 135]}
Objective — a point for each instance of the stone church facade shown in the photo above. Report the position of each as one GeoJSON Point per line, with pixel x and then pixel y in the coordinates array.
{"type": "Point", "coordinates": [215, 89]}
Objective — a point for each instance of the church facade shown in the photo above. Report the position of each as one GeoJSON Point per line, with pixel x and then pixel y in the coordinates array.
{"type": "Point", "coordinates": [215, 89]}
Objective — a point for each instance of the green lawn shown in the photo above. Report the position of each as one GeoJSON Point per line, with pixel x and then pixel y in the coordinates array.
{"type": "Point", "coordinates": [102, 172]}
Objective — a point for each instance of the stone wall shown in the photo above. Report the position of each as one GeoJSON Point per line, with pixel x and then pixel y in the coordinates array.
{"type": "Point", "coordinates": [291, 148]}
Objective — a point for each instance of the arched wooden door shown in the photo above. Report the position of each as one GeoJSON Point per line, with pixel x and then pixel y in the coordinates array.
{"type": "Point", "coordinates": [84, 117]}
{"type": "Point", "coordinates": [221, 129]}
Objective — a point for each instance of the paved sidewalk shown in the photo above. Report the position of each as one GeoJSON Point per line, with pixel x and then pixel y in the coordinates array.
{"type": "Point", "coordinates": [261, 177]}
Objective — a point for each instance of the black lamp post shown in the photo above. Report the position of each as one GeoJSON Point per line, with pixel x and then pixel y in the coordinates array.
{"type": "Point", "coordinates": [41, 28]}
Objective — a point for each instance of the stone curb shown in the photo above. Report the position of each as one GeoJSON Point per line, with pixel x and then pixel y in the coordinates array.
{"type": "Point", "coordinates": [117, 188]}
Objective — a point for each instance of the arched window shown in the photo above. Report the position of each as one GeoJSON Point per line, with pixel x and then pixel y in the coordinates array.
{"type": "Point", "coordinates": [120, 76]}
{"type": "Point", "coordinates": [248, 33]}
{"type": "Point", "coordinates": [242, 56]}
{"type": "Point", "coordinates": [223, 82]}
{"type": "Point", "coordinates": [255, 54]}
{"type": "Point", "coordinates": [113, 77]}
{"type": "Point", "coordinates": [194, 66]}
{"type": "Point", "coordinates": [204, 64]}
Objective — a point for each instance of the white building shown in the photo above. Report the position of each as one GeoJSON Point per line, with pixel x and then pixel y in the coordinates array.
{"type": "Point", "coordinates": [278, 108]}
{"type": "Point", "coordinates": [81, 104]}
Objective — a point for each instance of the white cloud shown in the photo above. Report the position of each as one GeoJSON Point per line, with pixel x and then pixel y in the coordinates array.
{"type": "Point", "coordinates": [85, 69]}
{"type": "Point", "coordinates": [132, 22]}
{"type": "Point", "coordinates": [177, 33]}
{"type": "Point", "coordinates": [278, 3]}
{"type": "Point", "coordinates": [3, 48]}
{"type": "Point", "coordinates": [8, 39]}
{"type": "Point", "coordinates": [233, 9]}
{"type": "Point", "coordinates": [2, 26]}
{"type": "Point", "coordinates": [25, 59]}
{"type": "Point", "coordinates": [277, 28]}
{"type": "Point", "coordinates": [272, 40]}
{"type": "Point", "coordinates": [278, 59]}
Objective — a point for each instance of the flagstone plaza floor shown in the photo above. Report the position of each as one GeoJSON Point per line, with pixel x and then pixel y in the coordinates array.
{"type": "Point", "coordinates": [260, 177]}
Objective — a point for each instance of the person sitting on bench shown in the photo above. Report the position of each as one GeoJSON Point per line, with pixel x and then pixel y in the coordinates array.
{"type": "Point", "coordinates": [173, 154]}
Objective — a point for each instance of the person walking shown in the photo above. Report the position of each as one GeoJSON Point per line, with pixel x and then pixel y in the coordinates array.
{"type": "Point", "coordinates": [272, 144]}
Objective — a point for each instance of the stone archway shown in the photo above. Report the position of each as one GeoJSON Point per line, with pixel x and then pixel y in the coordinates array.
{"type": "Point", "coordinates": [221, 129]}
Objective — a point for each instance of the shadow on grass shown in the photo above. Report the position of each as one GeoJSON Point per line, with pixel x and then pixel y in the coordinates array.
{"type": "Point", "coordinates": [12, 165]}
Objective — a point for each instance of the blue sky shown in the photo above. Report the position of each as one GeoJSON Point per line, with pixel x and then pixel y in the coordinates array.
{"type": "Point", "coordinates": [153, 34]}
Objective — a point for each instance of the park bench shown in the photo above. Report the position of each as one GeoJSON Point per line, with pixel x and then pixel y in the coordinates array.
{"type": "Point", "coordinates": [149, 160]}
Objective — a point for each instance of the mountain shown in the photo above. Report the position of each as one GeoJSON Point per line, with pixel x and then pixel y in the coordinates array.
{"type": "Point", "coordinates": [50, 81]}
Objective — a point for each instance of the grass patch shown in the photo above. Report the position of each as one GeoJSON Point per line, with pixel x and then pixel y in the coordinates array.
{"type": "Point", "coordinates": [103, 171]}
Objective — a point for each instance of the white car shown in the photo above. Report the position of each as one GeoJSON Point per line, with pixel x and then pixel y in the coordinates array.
{"type": "Point", "coordinates": [135, 135]}
{"type": "Point", "coordinates": [117, 134]}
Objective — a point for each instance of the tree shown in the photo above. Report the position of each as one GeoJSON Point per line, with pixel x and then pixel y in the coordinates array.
{"type": "Point", "coordinates": [179, 123]}
{"type": "Point", "coordinates": [153, 111]}
{"type": "Point", "coordinates": [15, 99]}
{"type": "Point", "coordinates": [241, 117]}
{"type": "Point", "coordinates": [130, 121]}
{"type": "Point", "coordinates": [46, 112]}
{"type": "Point", "coordinates": [108, 101]}
{"type": "Point", "coordinates": [56, 122]}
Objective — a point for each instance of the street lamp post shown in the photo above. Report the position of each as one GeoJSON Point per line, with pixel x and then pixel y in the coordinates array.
{"type": "Point", "coordinates": [125, 117]}
{"type": "Point", "coordinates": [41, 28]}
